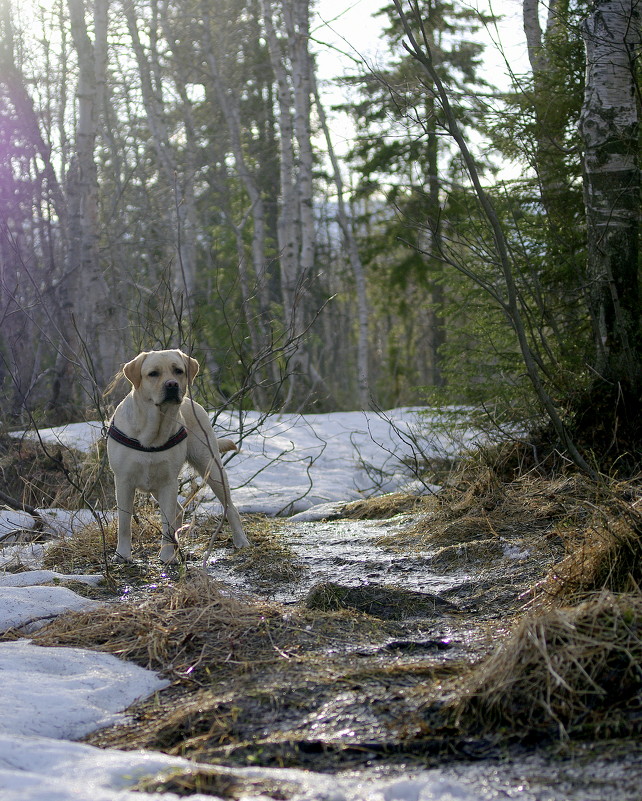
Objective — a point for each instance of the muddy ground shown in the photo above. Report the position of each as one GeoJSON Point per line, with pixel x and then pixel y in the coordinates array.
{"type": "Point", "coordinates": [338, 645]}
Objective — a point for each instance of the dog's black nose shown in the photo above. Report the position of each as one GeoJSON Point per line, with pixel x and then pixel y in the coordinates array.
{"type": "Point", "coordinates": [172, 391]}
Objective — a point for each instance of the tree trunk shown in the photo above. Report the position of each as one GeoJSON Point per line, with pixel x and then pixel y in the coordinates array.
{"type": "Point", "coordinates": [93, 319]}
{"type": "Point", "coordinates": [549, 126]}
{"type": "Point", "coordinates": [297, 24]}
{"type": "Point", "coordinates": [609, 129]}
{"type": "Point", "coordinates": [436, 328]}
{"type": "Point", "coordinates": [533, 33]}
{"type": "Point", "coordinates": [288, 218]}
{"type": "Point", "coordinates": [231, 113]}
{"type": "Point", "coordinates": [180, 207]}
{"type": "Point", "coordinates": [350, 242]}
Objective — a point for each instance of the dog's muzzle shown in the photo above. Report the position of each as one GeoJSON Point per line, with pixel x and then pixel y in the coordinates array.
{"type": "Point", "coordinates": [172, 392]}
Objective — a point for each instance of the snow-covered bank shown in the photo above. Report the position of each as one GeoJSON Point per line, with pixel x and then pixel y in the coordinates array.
{"type": "Point", "coordinates": [290, 462]}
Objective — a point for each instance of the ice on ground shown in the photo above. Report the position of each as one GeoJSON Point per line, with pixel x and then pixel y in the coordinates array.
{"type": "Point", "coordinates": [34, 769]}
{"type": "Point", "coordinates": [65, 693]}
{"type": "Point", "coordinates": [32, 577]}
{"type": "Point", "coordinates": [29, 556]}
{"type": "Point", "coordinates": [322, 511]}
{"type": "Point", "coordinates": [32, 607]}
{"type": "Point", "coordinates": [11, 521]}
{"type": "Point", "coordinates": [65, 523]}
{"type": "Point", "coordinates": [79, 436]}
{"type": "Point", "coordinates": [290, 462]}
{"type": "Point", "coordinates": [55, 522]}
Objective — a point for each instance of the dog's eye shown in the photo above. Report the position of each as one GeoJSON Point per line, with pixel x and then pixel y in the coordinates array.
{"type": "Point", "coordinates": [179, 370]}
{"type": "Point", "coordinates": [153, 374]}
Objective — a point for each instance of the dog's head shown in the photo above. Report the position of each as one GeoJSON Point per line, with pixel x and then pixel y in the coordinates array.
{"type": "Point", "coordinates": [161, 376]}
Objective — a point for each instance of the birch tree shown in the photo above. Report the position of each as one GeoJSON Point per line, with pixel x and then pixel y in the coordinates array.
{"type": "Point", "coordinates": [354, 257]}
{"type": "Point", "coordinates": [93, 323]}
{"type": "Point", "coordinates": [292, 66]}
{"type": "Point", "coordinates": [609, 127]}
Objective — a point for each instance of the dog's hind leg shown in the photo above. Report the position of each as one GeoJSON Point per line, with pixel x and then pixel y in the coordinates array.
{"type": "Point", "coordinates": [213, 472]}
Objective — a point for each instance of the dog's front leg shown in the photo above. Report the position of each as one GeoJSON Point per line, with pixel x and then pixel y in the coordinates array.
{"type": "Point", "coordinates": [171, 515]}
{"type": "Point", "coordinates": [125, 503]}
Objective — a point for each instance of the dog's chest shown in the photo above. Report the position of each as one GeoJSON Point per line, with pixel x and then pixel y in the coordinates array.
{"type": "Point", "coordinates": [157, 472]}
{"type": "Point", "coordinates": [149, 472]}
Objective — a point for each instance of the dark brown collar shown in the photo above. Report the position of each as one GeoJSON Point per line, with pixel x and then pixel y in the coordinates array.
{"type": "Point", "coordinates": [129, 442]}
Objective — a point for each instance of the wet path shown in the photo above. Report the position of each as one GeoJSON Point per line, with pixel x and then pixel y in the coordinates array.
{"type": "Point", "coordinates": [345, 552]}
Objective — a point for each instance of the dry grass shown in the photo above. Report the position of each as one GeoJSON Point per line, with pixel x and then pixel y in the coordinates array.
{"type": "Point", "coordinates": [605, 553]}
{"type": "Point", "coordinates": [481, 508]}
{"type": "Point", "coordinates": [218, 782]}
{"type": "Point", "coordinates": [475, 555]}
{"type": "Point", "coordinates": [55, 476]}
{"type": "Point", "coordinates": [383, 507]}
{"type": "Point", "coordinates": [270, 561]}
{"type": "Point", "coordinates": [187, 630]}
{"type": "Point", "coordinates": [243, 671]}
{"type": "Point", "coordinates": [84, 552]}
{"type": "Point", "coordinates": [244, 667]}
{"type": "Point", "coordinates": [566, 671]}
{"type": "Point", "coordinates": [91, 549]}
{"type": "Point", "coordinates": [193, 629]}
{"type": "Point", "coordinates": [388, 603]}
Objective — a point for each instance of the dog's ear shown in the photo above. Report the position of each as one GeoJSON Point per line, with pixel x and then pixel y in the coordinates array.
{"type": "Point", "coordinates": [133, 369]}
{"type": "Point", "coordinates": [192, 367]}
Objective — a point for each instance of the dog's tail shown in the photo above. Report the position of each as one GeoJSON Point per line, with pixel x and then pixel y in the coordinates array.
{"type": "Point", "coordinates": [225, 445]}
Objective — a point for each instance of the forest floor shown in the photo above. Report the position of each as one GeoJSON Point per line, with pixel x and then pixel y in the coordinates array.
{"type": "Point", "coordinates": [360, 643]}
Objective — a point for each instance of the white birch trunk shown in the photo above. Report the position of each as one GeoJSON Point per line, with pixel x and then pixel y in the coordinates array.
{"type": "Point", "coordinates": [94, 316]}
{"type": "Point", "coordinates": [533, 33]}
{"type": "Point", "coordinates": [610, 130]}
{"type": "Point", "coordinates": [350, 241]}
{"type": "Point", "coordinates": [288, 218]}
{"type": "Point", "coordinates": [296, 227]}
{"type": "Point", "coordinates": [296, 16]}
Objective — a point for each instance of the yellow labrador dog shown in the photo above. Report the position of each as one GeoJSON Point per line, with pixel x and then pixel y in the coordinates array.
{"type": "Point", "coordinates": [153, 432]}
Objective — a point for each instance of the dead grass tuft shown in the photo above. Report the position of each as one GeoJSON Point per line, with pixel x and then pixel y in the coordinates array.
{"type": "Point", "coordinates": [388, 603]}
{"type": "Point", "coordinates": [83, 552]}
{"type": "Point", "coordinates": [482, 508]}
{"type": "Point", "coordinates": [606, 553]}
{"type": "Point", "coordinates": [568, 671]}
{"type": "Point", "coordinates": [190, 629]}
{"type": "Point", "coordinates": [270, 561]}
{"type": "Point", "coordinates": [218, 782]}
{"type": "Point", "coordinates": [478, 554]}
{"type": "Point", "coordinates": [91, 549]}
{"type": "Point", "coordinates": [383, 507]}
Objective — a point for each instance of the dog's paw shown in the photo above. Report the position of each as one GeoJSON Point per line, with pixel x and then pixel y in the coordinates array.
{"type": "Point", "coordinates": [241, 541]}
{"type": "Point", "coordinates": [119, 559]}
{"type": "Point", "coordinates": [169, 555]}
